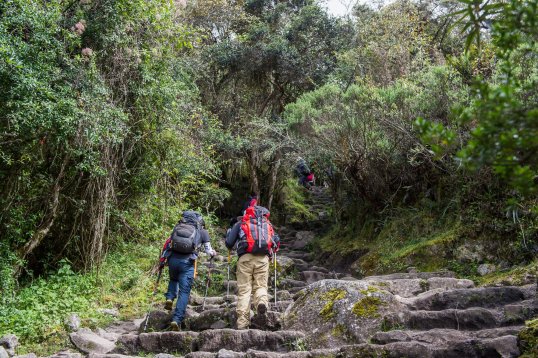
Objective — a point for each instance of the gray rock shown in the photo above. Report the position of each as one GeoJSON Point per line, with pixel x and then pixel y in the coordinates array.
{"type": "Point", "coordinates": [302, 239]}
{"type": "Point", "coordinates": [284, 265]}
{"type": "Point", "coordinates": [313, 276]}
{"type": "Point", "coordinates": [180, 342]}
{"type": "Point", "coordinates": [334, 312]}
{"type": "Point", "coordinates": [163, 355]}
{"type": "Point", "coordinates": [271, 321]}
{"type": "Point", "coordinates": [467, 319]}
{"type": "Point", "coordinates": [208, 318]}
{"type": "Point", "coordinates": [486, 269]}
{"type": "Point", "coordinates": [201, 355]}
{"type": "Point", "coordinates": [289, 283]}
{"type": "Point", "coordinates": [66, 354]}
{"type": "Point", "coordinates": [466, 298]}
{"type": "Point", "coordinates": [157, 321]}
{"type": "Point", "coordinates": [110, 355]}
{"type": "Point", "coordinates": [127, 344]}
{"type": "Point", "coordinates": [111, 336]}
{"type": "Point", "coordinates": [9, 342]}
{"type": "Point", "coordinates": [3, 352]}
{"type": "Point", "coordinates": [110, 312]}
{"type": "Point", "coordinates": [29, 355]}
{"type": "Point", "coordinates": [72, 322]}
{"type": "Point", "coordinates": [224, 353]}
{"type": "Point", "coordinates": [242, 340]}
{"type": "Point", "coordinates": [89, 342]}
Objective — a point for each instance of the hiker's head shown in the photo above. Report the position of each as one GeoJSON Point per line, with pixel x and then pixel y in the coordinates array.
{"type": "Point", "coordinates": [192, 217]}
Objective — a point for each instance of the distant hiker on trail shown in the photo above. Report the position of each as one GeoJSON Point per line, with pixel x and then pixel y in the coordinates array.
{"type": "Point", "coordinates": [304, 173]}
{"type": "Point", "coordinates": [257, 241]}
{"type": "Point", "coordinates": [179, 251]}
{"type": "Point", "coordinates": [252, 200]}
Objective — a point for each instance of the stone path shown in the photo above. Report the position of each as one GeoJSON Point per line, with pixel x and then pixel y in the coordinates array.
{"type": "Point", "coordinates": [320, 313]}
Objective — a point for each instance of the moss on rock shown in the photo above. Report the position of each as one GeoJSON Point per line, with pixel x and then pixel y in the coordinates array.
{"type": "Point", "coordinates": [367, 307]}
{"type": "Point", "coordinates": [528, 339]}
{"type": "Point", "coordinates": [330, 298]}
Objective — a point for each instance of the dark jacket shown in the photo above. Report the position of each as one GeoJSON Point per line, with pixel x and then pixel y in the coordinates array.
{"type": "Point", "coordinates": [234, 235]}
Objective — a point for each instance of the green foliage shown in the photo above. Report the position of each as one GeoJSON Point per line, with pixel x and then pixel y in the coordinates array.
{"type": "Point", "coordinates": [39, 310]}
{"type": "Point", "coordinates": [504, 111]}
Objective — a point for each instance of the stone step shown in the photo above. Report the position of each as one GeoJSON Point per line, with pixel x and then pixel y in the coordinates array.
{"type": "Point", "coordinates": [313, 276]}
{"type": "Point", "coordinates": [505, 346]}
{"type": "Point", "coordinates": [180, 343]}
{"type": "Point", "coordinates": [412, 275]}
{"type": "Point", "coordinates": [411, 287]}
{"type": "Point", "coordinates": [476, 318]}
{"type": "Point", "coordinates": [465, 298]}
{"type": "Point", "coordinates": [439, 336]}
{"type": "Point", "coordinates": [290, 283]}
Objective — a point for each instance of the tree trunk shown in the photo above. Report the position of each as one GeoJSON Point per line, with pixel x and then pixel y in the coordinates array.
{"type": "Point", "coordinates": [273, 178]}
{"type": "Point", "coordinates": [255, 183]}
{"type": "Point", "coordinates": [48, 220]}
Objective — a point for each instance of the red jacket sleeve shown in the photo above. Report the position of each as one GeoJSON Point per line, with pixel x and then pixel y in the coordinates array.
{"type": "Point", "coordinates": [165, 250]}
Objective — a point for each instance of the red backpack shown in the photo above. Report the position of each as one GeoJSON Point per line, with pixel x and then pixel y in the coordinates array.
{"type": "Point", "coordinates": [258, 230]}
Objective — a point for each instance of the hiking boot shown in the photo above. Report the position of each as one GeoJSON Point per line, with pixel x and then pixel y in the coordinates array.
{"type": "Point", "coordinates": [174, 326]}
{"type": "Point", "coordinates": [168, 305]}
{"type": "Point", "coordinates": [262, 309]}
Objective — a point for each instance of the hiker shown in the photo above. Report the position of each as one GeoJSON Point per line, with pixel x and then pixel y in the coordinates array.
{"type": "Point", "coordinates": [252, 200]}
{"type": "Point", "coordinates": [303, 171]}
{"type": "Point", "coordinates": [309, 181]}
{"type": "Point", "coordinates": [179, 251]}
{"type": "Point", "coordinates": [256, 242]}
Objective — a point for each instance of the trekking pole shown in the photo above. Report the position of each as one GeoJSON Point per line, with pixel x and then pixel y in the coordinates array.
{"type": "Point", "coordinates": [195, 268]}
{"type": "Point", "coordinates": [155, 288]}
{"type": "Point", "coordinates": [228, 283]}
{"type": "Point", "coordinates": [208, 281]}
{"type": "Point", "coordinates": [274, 258]}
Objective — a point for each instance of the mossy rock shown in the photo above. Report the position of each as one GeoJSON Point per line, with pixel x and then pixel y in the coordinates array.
{"type": "Point", "coordinates": [345, 312]}
{"type": "Point", "coordinates": [528, 339]}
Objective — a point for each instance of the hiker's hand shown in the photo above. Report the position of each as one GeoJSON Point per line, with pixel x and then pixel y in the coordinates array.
{"type": "Point", "coordinates": [213, 253]}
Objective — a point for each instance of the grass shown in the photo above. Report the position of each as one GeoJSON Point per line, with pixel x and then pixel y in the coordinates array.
{"type": "Point", "coordinates": [38, 312]}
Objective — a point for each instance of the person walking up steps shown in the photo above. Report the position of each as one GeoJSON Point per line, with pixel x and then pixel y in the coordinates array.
{"type": "Point", "coordinates": [256, 242]}
{"type": "Point", "coordinates": [179, 251]}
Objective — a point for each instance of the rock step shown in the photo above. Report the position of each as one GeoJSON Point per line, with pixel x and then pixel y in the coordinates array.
{"type": "Point", "coordinates": [476, 318]}
{"type": "Point", "coordinates": [411, 287]}
{"type": "Point", "coordinates": [180, 343]}
{"type": "Point", "coordinates": [488, 297]}
{"type": "Point", "coordinates": [488, 348]}
{"type": "Point", "coordinates": [442, 337]}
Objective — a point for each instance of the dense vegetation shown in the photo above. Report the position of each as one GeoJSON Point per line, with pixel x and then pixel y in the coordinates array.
{"type": "Point", "coordinates": [116, 115]}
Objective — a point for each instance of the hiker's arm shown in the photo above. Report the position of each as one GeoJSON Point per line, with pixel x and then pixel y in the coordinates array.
{"type": "Point", "coordinates": [207, 244]}
{"type": "Point", "coordinates": [232, 236]}
{"type": "Point", "coordinates": [276, 240]}
{"type": "Point", "coordinates": [165, 252]}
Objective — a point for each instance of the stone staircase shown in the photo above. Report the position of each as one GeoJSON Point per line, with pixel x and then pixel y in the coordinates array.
{"type": "Point", "coordinates": [320, 313]}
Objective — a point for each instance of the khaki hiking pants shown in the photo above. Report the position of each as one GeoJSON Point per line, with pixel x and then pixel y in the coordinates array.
{"type": "Point", "coordinates": [252, 275]}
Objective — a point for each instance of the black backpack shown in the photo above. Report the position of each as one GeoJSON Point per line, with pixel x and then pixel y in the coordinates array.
{"type": "Point", "coordinates": [186, 233]}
